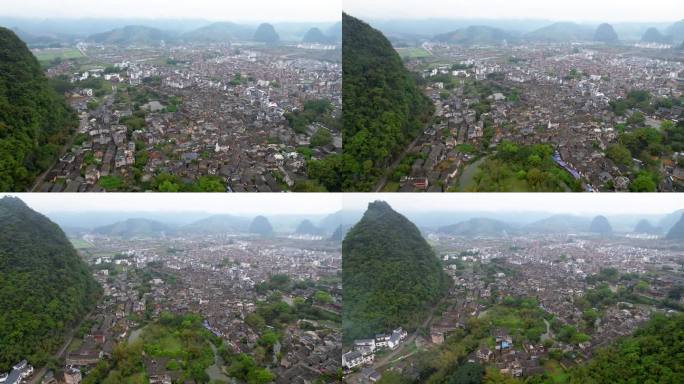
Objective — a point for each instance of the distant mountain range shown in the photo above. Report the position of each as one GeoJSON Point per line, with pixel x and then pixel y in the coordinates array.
{"type": "Point", "coordinates": [557, 33]}
{"type": "Point", "coordinates": [135, 228]}
{"type": "Point", "coordinates": [645, 227]}
{"type": "Point", "coordinates": [265, 33]}
{"type": "Point", "coordinates": [653, 35]}
{"type": "Point", "coordinates": [477, 34]}
{"type": "Point", "coordinates": [557, 224]}
{"type": "Point", "coordinates": [334, 226]}
{"type": "Point", "coordinates": [606, 34]}
{"type": "Point", "coordinates": [601, 226]}
{"type": "Point", "coordinates": [217, 224]}
{"type": "Point", "coordinates": [316, 36]}
{"type": "Point", "coordinates": [560, 32]}
{"type": "Point", "coordinates": [211, 225]}
{"type": "Point", "coordinates": [154, 32]}
{"type": "Point", "coordinates": [306, 227]}
{"type": "Point", "coordinates": [479, 227]}
{"type": "Point", "coordinates": [132, 34]}
{"type": "Point", "coordinates": [677, 231]}
{"type": "Point", "coordinates": [219, 32]}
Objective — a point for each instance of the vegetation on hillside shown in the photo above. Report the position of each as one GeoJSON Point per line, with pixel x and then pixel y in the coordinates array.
{"type": "Point", "coordinates": [181, 339]}
{"type": "Point", "coordinates": [45, 288]}
{"type": "Point", "coordinates": [383, 108]}
{"type": "Point", "coordinates": [653, 352]}
{"type": "Point", "coordinates": [35, 121]}
{"type": "Point", "coordinates": [390, 274]}
{"type": "Point", "coordinates": [522, 168]}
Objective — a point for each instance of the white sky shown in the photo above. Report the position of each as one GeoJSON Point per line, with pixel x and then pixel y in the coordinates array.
{"type": "Point", "coordinates": [325, 203]}
{"type": "Point", "coordinates": [214, 203]}
{"type": "Point", "coordinates": [570, 203]}
{"type": "Point", "coordinates": [230, 10]}
{"type": "Point", "coordinates": [569, 10]}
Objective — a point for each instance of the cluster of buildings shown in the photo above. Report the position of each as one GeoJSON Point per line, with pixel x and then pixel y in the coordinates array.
{"type": "Point", "coordinates": [552, 269]}
{"type": "Point", "coordinates": [540, 94]}
{"type": "Point", "coordinates": [363, 351]}
{"type": "Point", "coordinates": [217, 112]}
{"type": "Point", "coordinates": [216, 277]}
{"type": "Point", "coordinates": [19, 372]}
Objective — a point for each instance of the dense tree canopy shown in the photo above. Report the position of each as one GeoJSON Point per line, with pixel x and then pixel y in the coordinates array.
{"type": "Point", "coordinates": [390, 274]}
{"type": "Point", "coordinates": [34, 120]}
{"type": "Point", "coordinates": [383, 108]}
{"type": "Point", "coordinates": [653, 354]}
{"type": "Point", "coordinates": [45, 287]}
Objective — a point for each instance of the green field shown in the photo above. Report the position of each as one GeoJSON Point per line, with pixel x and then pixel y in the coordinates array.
{"type": "Point", "coordinates": [80, 244]}
{"type": "Point", "coordinates": [413, 53]}
{"type": "Point", "coordinates": [50, 54]}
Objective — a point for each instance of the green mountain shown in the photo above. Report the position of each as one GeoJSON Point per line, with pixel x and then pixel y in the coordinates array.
{"type": "Point", "coordinates": [677, 231]}
{"type": "Point", "coordinates": [335, 31]}
{"type": "Point", "coordinates": [266, 34]}
{"type": "Point", "coordinates": [391, 275]}
{"type": "Point", "coordinates": [676, 32]}
{"type": "Point", "coordinates": [219, 32]}
{"type": "Point", "coordinates": [653, 35]}
{"type": "Point", "coordinates": [217, 224]}
{"type": "Point", "coordinates": [261, 226]}
{"type": "Point", "coordinates": [315, 35]}
{"type": "Point", "coordinates": [559, 224]}
{"type": "Point", "coordinates": [132, 34]}
{"type": "Point", "coordinates": [339, 233]}
{"type": "Point", "coordinates": [476, 34]}
{"type": "Point", "coordinates": [670, 220]}
{"type": "Point", "coordinates": [561, 32]}
{"type": "Point", "coordinates": [478, 227]}
{"type": "Point", "coordinates": [384, 109]}
{"type": "Point", "coordinates": [645, 226]}
{"type": "Point", "coordinates": [134, 228]}
{"type": "Point", "coordinates": [606, 34]}
{"type": "Point", "coordinates": [35, 122]}
{"type": "Point", "coordinates": [45, 287]}
{"type": "Point", "coordinates": [601, 226]}
{"type": "Point", "coordinates": [306, 227]}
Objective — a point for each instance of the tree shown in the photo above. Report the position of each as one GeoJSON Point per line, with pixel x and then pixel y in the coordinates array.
{"type": "Point", "coordinates": [210, 184]}
{"type": "Point", "coordinates": [260, 376]}
{"type": "Point", "coordinates": [323, 297]}
{"type": "Point", "coordinates": [35, 121]}
{"type": "Point", "coordinates": [110, 183]}
{"type": "Point", "coordinates": [255, 321]}
{"type": "Point", "coordinates": [384, 109]}
{"type": "Point", "coordinates": [643, 183]}
{"type": "Point", "coordinates": [636, 119]}
{"type": "Point", "coordinates": [467, 373]}
{"type": "Point", "coordinates": [321, 138]}
{"type": "Point", "coordinates": [619, 154]}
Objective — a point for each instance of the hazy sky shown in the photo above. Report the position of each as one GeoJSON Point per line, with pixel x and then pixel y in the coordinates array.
{"type": "Point", "coordinates": [325, 203]}
{"type": "Point", "coordinates": [570, 10]}
{"type": "Point", "coordinates": [214, 203]}
{"type": "Point", "coordinates": [234, 10]}
{"type": "Point", "coordinates": [571, 203]}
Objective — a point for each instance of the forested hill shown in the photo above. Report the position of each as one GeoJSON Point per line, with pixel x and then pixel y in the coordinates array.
{"type": "Point", "coordinates": [390, 274]}
{"type": "Point", "coordinates": [383, 107]}
{"type": "Point", "coordinates": [34, 120]}
{"type": "Point", "coordinates": [44, 285]}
